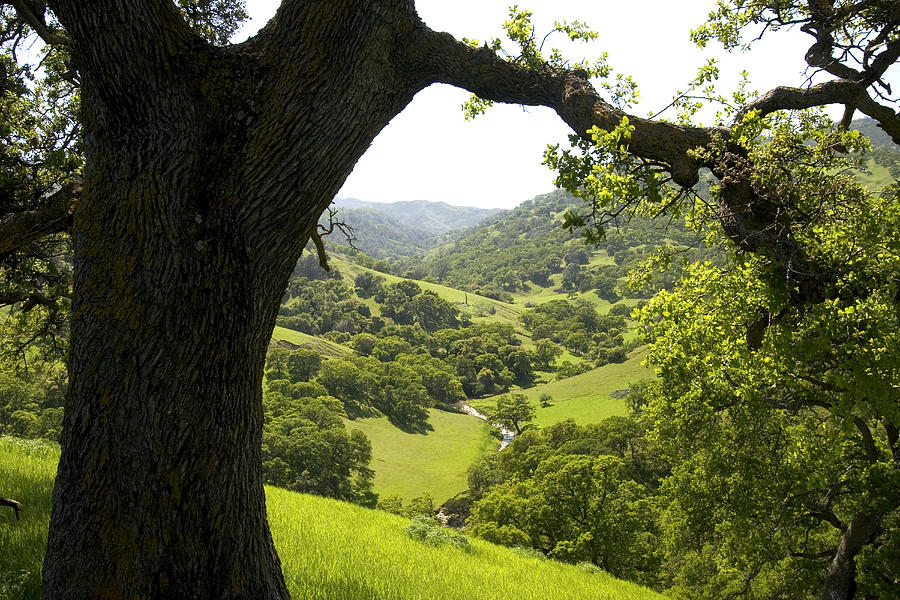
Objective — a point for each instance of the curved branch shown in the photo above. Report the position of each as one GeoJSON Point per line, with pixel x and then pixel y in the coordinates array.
{"type": "Point", "coordinates": [16, 506]}
{"type": "Point", "coordinates": [886, 117]}
{"type": "Point", "coordinates": [755, 224]}
{"type": "Point", "coordinates": [569, 93]}
{"type": "Point", "coordinates": [33, 14]}
{"type": "Point", "coordinates": [53, 216]}
{"type": "Point", "coordinates": [838, 91]}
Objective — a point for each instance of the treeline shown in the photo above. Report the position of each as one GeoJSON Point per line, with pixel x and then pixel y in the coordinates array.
{"type": "Point", "coordinates": [580, 329]}
{"type": "Point", "coordinates": [32, 400]}
{"type": "Point", "coordinates": [333, 309]}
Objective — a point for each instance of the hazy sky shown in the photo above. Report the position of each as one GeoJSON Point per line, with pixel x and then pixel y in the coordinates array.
{"type": "Point", "coordinates": [429, 152]}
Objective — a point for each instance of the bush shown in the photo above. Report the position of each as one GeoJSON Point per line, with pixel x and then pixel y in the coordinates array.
{"type": "Point", "coordinates": [427, 530]}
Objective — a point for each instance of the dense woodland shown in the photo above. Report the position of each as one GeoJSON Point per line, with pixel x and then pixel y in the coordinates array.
{"type": "Point", "coordinates": [756, 262]}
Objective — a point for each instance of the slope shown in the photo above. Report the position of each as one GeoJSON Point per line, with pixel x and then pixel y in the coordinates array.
{"type": "Point", "coordinates": [435, 463]}
{"type": "Point", "coordinates": [585, 398]}
{"type": "Point", "coordinates": [328, 549]}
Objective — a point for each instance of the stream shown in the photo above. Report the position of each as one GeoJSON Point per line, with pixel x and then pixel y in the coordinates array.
{"type": "Point", "coordinates": [506, 436]}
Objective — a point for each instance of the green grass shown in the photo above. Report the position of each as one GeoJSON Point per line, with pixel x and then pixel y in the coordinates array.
{"type": "Point", "coordinates": [409, 464]}
{"type": "Point", "coordinates": [324, 347]}
{"type": "Point", "coordinates": [584, 398]}
{"type": "Point", "coordinates": [329, 550]}
{"type": "Point", "coordinates": [877, 178]}
{"type": "Point", "coordinates": [27, 469]}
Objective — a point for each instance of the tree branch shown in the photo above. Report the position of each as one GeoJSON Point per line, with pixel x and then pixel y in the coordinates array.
{"type": "Point", "coordinates": [868, 441]}
{"type": "Point", "coordinates": [33, 14]}
{"type": "Point", "coordinates": [569, 93]}
{"type": "Point", "coordinates": [53, 216]}
{"type": "Point", "coordinates": [16, 506]}
{"type": "Point", "coordinates": [838, 91]}
{"type": "Point", "coordinates": [756, 224]}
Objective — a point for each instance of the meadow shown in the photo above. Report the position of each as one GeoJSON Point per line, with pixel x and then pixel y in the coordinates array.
{"type": "Point", "coordinates": [436, 462]}
{"type": "Point", "coordinates": [329, 549]}
{"type": "Point", "coordinates": [584, 398]}
{"type": "Point", "coordinates": [326, 348]}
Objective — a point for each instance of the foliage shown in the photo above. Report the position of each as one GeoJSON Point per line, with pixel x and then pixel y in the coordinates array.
{"type": "Point", "coordinates": [31, 403]}
{"type": "Point", "coordinates": [575, 494]}
{"type": "Point", "coordinates": [526, 246]}
{"type": "Point", "coordinates": [306, 447]}
{"type": "Point", "coordinates": [780, 419]}
{"type": "Point", "coordinates": [579, 328]}
{"type": "Point", "coordinates": [428, 531]}
{"type": "Point", "coordinates": [317, 307]}
{"type": "Point", "coordinates": [41, 155]}
{"type": "Point", "coordinates": [215, 20]}
{"type": "Point", "coordinates": [406, 304]}
{"type": "Point", "coordinates": [401, 389]}
{"type": "Point", "coordinates": [512, 411]}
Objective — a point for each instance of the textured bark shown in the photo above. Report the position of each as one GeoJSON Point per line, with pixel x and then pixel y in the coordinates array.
{"type": "Point", "coordinates": [840, 583]}
{"type": "Point", "coordinates": [206, 170]}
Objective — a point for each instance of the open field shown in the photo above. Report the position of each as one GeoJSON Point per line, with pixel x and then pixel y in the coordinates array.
{"type": "Point", "coordinates": [329, 550]}
{"type": "Point", "coordinates": [584, 398]}
{"type": "Point", "coordinates": [411, 464]}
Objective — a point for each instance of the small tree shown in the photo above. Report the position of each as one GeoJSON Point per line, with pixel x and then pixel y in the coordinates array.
{"type": "Point", "coordinates": [513, 411]}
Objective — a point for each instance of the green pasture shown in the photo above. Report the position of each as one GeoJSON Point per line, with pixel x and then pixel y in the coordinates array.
{"type": "Point", "coordinates": [412, 464]}
{"type": "Point", "coordinates": [324, 347]}
{"type": "Point", "coordinates": [584, 398]}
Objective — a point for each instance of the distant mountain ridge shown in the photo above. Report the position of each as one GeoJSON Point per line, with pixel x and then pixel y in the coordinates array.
{"type": "Point", "coordinates": [878, 137]}
{"type": "Point", "coordinates": [423, 215]}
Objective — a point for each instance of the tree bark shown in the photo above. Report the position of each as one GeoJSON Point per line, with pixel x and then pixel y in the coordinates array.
{"type": "Point", "coordinates": [840, 582]}
{"type": "Point", "coordinates": [206, 169]}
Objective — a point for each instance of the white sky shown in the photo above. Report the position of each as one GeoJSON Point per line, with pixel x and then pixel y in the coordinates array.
{"type": "Point", "coordinates": [429, 152]}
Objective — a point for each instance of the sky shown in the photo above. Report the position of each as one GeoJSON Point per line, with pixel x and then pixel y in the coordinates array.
{"type": "Point", "coordinates": [429, 152]}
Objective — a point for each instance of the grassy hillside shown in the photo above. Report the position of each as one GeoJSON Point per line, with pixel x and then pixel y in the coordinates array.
{"type": "Point", "coordinates": [27, 469]}
{"type": "Point", "coordinates": [324, 347]}
{"type": "Point", "coordinates": [329, 550]}
{"type": "Point", "coordinates": [411, 464]}
{"type": "Point", "coordinates": [584, 398]}
{"type": "Point", "coordinates": [467, 302]}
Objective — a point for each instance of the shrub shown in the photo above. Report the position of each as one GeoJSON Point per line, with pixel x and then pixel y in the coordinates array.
{"type": "Point", "coordinates": [427, 530]}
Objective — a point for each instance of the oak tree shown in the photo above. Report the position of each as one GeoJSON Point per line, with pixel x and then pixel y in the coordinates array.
{"type": "Point", "coordinates": [206, 168]}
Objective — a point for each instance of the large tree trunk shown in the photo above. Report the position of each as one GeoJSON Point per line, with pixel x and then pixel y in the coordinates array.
{"type": "Point", "coordinates": [206, 170]}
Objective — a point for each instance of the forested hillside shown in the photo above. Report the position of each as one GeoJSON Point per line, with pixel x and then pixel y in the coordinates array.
{"type": "Point", "coordinates": [528, 248]}
{"type": "Point", "coordinates": [432, 217]}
